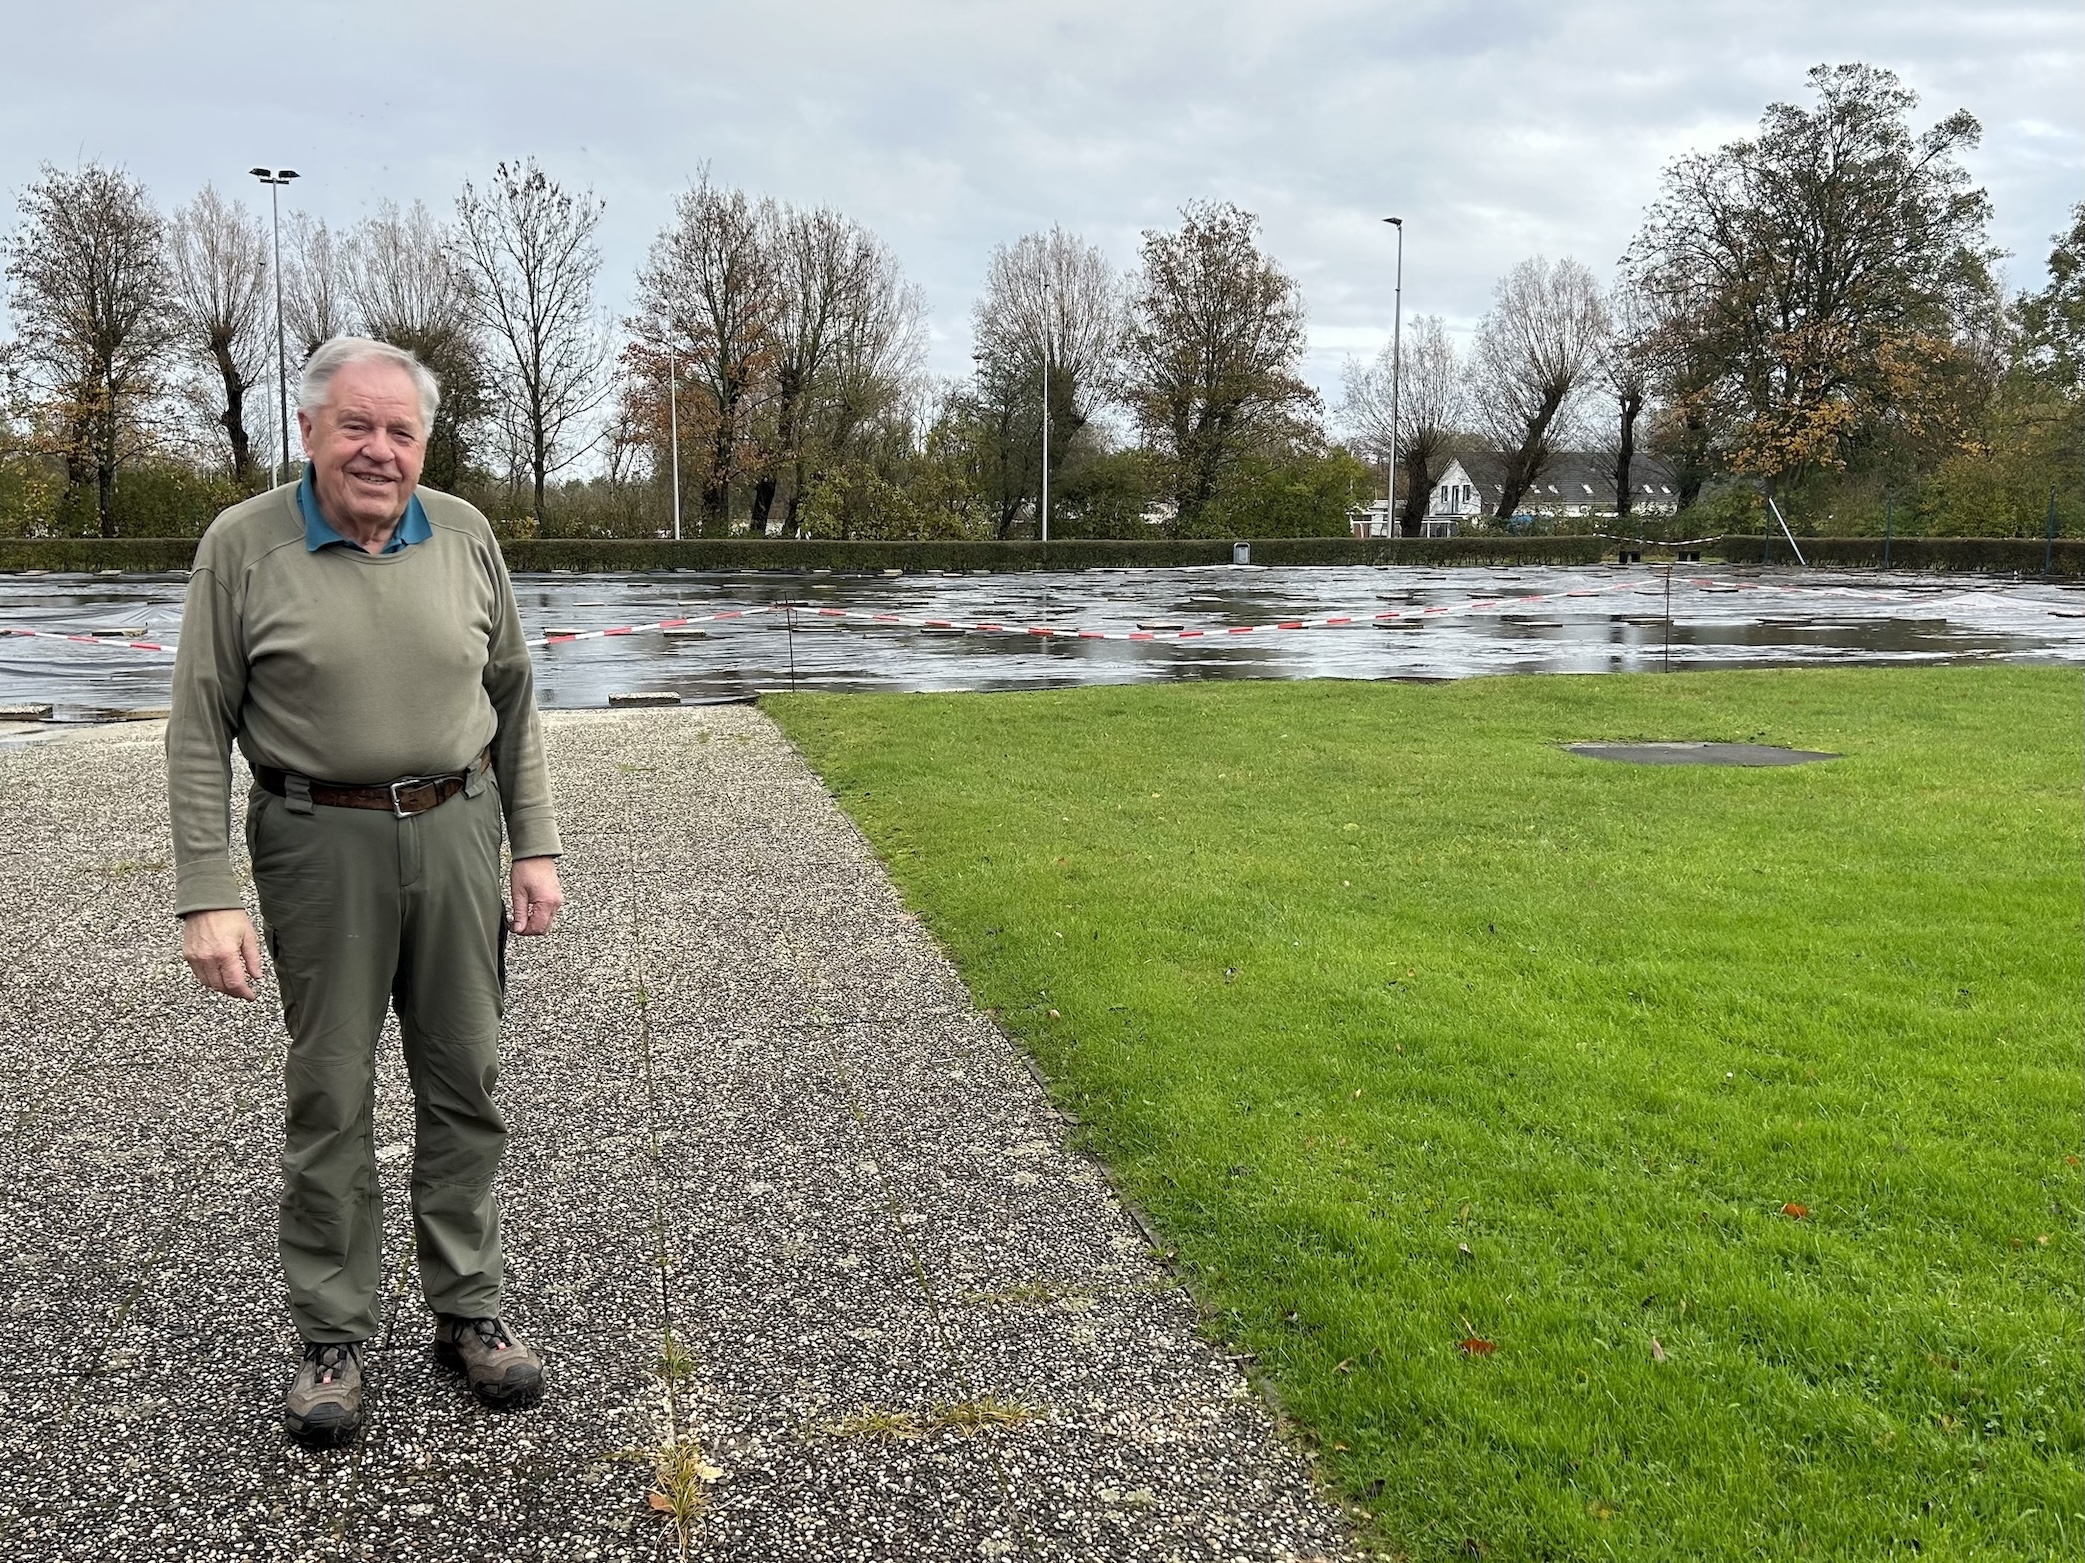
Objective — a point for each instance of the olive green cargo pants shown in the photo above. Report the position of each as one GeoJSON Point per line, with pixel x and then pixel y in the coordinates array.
{"type": "Point", "coordinates": [365, 911]}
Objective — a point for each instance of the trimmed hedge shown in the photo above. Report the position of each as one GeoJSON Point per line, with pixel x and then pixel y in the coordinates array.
{"type": "Point", "coordinates": [1998, 555]}
{"type": "Point", "coordinates": [133, 555]}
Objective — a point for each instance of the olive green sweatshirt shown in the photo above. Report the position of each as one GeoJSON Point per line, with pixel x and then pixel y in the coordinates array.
{"type": "Point", "coordinates": [345, 667]}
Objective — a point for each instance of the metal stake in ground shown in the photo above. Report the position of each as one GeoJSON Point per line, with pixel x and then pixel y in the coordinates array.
{"type": "Point", "coordinates": [1668, 615]}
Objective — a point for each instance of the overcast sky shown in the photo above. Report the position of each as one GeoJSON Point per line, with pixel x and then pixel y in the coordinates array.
{"type": "Point", "coordinates": [1497, 128]}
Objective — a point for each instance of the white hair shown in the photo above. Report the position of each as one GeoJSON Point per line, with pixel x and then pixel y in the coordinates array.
{"type": "Point", "coordinates": [315, 385]}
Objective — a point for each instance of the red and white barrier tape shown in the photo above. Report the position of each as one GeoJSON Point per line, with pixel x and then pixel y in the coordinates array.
{"type": "Point", "coordinates": [1653, 542]}
{"type": "Point", "coordinates": [124, 641]}
{"type": "Point", "coordinates": [661, 625]}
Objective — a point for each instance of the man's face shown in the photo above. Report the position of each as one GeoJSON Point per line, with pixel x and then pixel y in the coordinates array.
{"type": "Point", "coordinates": [366, 445]}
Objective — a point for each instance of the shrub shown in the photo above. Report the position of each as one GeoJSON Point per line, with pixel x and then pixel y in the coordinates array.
{"type": "Point", "coordinates": [1303, 493]}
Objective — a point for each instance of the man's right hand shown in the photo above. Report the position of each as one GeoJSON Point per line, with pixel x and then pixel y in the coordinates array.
{"type": "Point", "coordinates": [222, 950]}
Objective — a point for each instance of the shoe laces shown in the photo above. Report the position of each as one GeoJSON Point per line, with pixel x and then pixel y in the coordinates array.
{"type": "Point", "coordinates": [331, 1356]}
{"type": "Point", "coordinates": [492, 1334]}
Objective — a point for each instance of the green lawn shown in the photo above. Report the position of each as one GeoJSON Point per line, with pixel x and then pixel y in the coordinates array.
{"type": "Point", "coordinates": [1738, 1110]}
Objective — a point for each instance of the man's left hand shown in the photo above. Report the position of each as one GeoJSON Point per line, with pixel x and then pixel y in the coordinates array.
{"type": "Point", "coordinates": [536, 895]}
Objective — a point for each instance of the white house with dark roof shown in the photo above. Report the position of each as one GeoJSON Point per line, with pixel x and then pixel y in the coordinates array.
{"type": "Point", "coordinates": [1571, 483]}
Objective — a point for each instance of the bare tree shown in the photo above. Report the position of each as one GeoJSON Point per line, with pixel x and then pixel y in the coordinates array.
{"type": "Point", "coordinates": [218, 253]}
{"type": "Point", "coordinates": [992, 424]}
{"type": "Point", "coordinates": [1431, 411]}
{"type": "Point", "coordinates": [88, 289]}
{"type": "Point", "coordinates": [1534, 352]}
{"type": "Point", "coordinates": [1630, 368]}
{"type": "Point", "coordinates": [827, 273]}
{"type": "Point", "coordinates": [317, 283]}
{"type": "Point", "coordinates": [529, 246]}
{"type": "Point", "coordinates": [627, 440]}
{"type": "Point", "coordinates": [1049, 298]}
{"type": "Point", "coordinates": [406, 287]}
{"type": "Point", "coordinates": [1215, 340]}
{"type": "Point", "coordinates": [869, 370]}
{"type": "Point", "coordinates": [707, 297]}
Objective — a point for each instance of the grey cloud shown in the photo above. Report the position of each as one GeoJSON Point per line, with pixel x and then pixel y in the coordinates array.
{"type": "Point", "coordinates": [1497, 128]}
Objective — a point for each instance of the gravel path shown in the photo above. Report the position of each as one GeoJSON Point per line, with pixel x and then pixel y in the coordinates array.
{"type": "Point", "coordinates": [775, 1190]}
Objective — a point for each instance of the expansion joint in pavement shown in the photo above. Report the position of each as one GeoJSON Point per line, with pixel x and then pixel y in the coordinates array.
{"type": "Point", "coordinates": [385, 1343]}
{"type": "Point", "coordinates": [178, 1219]}
{"type": "Point", "coordinates": [967, 1380]}
{"type": "Point", "coordinates": [677, 1463]}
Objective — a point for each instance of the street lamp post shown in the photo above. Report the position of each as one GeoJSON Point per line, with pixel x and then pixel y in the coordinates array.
{"type": "Point", "coordinates": [275, 179]}
{"type": "Point", "coordinates": [1396, 366]}
{"type": "Point", "coordinates": [1046, 401]}
{"type": "Point", "coordinates": [673, 437]}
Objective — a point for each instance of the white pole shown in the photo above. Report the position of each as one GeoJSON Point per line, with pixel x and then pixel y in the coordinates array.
{"type": "Point", "coordinates": [1046, 402]}
{"type": "Point", "coordinates": [1396, 366]}
{"type": "Point", "coordinates": [1799, 559]}
{"type": "Point", "coordinates": [673, 436]}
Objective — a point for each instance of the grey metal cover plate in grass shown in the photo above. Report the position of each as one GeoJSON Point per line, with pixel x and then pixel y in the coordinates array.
{"type": "Point", "coordinates": [1699, 754]}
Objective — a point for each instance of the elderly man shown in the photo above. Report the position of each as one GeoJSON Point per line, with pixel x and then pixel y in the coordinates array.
{"type": "Point", "coordinates": [360, 643]}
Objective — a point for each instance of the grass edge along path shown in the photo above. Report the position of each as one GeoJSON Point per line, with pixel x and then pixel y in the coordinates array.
{"type": "Point", "coordinates": [1603, 1161]}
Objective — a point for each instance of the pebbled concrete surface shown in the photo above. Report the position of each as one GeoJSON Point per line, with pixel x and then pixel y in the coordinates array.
{"type": "Point", "coordinates": [754, 1115]}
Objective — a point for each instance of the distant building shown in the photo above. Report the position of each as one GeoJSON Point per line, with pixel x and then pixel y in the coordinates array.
{"type": "Point", "coordinates": [1373, 520]}
{"type": "Point", "coordinates": [1571, 483]}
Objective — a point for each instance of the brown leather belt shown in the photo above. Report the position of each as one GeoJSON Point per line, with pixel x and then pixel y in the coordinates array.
{"type": "Point", "coordinates": [407, 796]}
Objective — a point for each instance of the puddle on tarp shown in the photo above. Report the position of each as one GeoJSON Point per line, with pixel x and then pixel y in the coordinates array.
{"type": "Point", "coordinates": [1720, 617]}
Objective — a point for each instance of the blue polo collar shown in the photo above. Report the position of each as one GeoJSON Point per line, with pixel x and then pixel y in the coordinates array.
{"type": "Point", "coordinates": [412, 526]}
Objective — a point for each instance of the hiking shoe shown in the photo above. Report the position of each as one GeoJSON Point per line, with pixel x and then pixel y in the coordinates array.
{"type": "Point", "coordinates": [323, 1409]}
{"type": "Point", "coordinates": [504, 1371]}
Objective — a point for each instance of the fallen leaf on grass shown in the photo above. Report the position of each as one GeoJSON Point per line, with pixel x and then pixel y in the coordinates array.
{"type": "Point", "coordinates": [1345, 1365]}
{"type": "Point", "coordinates": [1473, 1347]}
{"type": "Point", "coordinates": [1463, 1249]}
{"type": "Point", "coordinates": [1795, 1212]}
{"type": "Point", "coordinates": [2070, 1161]}
{"type": "Point", "coordinates": [659, 1501]}
{"type": "Point", "coordinates": [1657, 1351]}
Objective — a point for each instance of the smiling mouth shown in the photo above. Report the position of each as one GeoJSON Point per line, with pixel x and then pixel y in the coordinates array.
{"type": "Point", "coordinates": [372, 480]}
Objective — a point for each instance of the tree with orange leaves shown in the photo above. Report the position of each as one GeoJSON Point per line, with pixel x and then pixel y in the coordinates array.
{"type": "Point", "coordinates": [1826, 278]}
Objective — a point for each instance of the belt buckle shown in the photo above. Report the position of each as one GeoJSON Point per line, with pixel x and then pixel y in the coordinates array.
{"type": "Point", "coordinates": [398, 808]}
